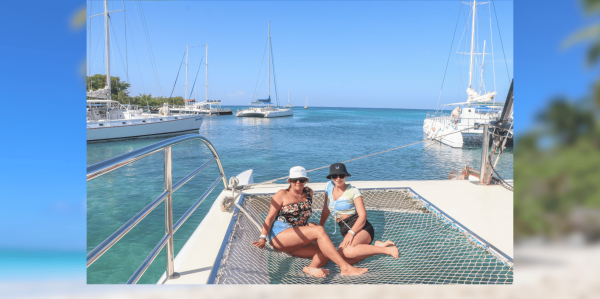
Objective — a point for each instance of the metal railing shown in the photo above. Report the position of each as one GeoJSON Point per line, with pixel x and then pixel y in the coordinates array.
{"type": "Point", "coordinates": [107, 166]}
{"type": "Point", "coordinates": [463, 122]}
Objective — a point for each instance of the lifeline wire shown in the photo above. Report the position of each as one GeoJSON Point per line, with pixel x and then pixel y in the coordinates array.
{"type": "Point", "coordinates": [440, 137]}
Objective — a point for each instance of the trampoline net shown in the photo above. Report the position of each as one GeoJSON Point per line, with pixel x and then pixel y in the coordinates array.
{"type": "Point", "coordinates": [433, 250]}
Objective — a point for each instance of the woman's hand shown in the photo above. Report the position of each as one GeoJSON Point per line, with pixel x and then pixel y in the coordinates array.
{"type": "Point", "coordinates": [260, 243]}
{"type": "Point", "coordinates": [347, 241]}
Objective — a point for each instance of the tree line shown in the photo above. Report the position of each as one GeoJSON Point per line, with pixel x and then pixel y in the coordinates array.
{"type": "Point", "coordinates": [120, 92]}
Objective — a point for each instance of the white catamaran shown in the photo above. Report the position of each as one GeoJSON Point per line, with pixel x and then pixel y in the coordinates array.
{"type": "Point", "coordinates": [466, 118]}
{"type": "Point", "coordinates": [263, 107]}
{"type": "Point", "coordinates": [109, 120]}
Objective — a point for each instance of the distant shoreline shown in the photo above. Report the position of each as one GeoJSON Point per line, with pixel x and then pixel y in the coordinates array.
{"type": "Point", "coordinates": [301, 107]}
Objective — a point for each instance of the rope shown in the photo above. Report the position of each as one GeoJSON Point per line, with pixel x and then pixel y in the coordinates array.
{"type": "Point", "coordinates": [510, 187]}
{"type": "Point", "coordinates": [504, 54]}
{"type": "Point", "coordinates": [177, 74]}
{"type": "Point", "coordinates": [449, 54]}
{"type": "Point", "coordinates": [194, 85]}
{"type": "Point", "coordinates": [396, 148]}
{"type": "Point", "coordinates": [146, 35]}
{"type": "Point", "coordinates": [259, 70]}
{"type": "Point", "coordinates": [118, 47]}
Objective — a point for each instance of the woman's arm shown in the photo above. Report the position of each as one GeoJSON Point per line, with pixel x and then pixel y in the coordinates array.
{"type": "Point", "coordinates": [359, 224]}
{"type": "Point", "coordinates": [276, 203]}
{"type": "Point", "coordinates": [325, 213]}
{"type": "Point", "coordinates": [362, 215]}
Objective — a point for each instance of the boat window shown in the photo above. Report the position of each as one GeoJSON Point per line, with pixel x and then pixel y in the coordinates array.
{"type": "Point", "coordinates": [101, 124]}
{"type": "Point", "coordinates": [123, 122]}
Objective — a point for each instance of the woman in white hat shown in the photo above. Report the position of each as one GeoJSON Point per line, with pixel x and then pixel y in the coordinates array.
{"type": "Point", "coordinates": [346, 203]}
{"type": "Point", "coordinates": [287, 229]}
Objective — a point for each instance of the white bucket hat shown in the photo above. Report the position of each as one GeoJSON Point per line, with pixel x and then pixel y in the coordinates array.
{"type": "Point", "coordinates": [298, 172]}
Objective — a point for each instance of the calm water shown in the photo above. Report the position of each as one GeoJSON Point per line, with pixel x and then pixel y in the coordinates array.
{"type": "Point", "coordinates": [312, 138]}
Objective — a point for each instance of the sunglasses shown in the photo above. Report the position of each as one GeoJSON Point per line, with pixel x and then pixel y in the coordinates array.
{"type": "Point", "coordinates": [301, 180]}
{"type": "Point", "coordinates": [335, 176]}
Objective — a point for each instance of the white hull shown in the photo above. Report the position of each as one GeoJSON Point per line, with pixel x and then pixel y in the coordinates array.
{"type": "Point", "coordinates": [137, 127]}
{"type": "Point", "coordinates": [443, 132]}
{"type": "Point", "coordinates": [201, 111]}
{"type": "Point", "coordinates": [264, 112]}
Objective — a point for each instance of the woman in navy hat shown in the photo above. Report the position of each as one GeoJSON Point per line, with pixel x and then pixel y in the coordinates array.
{"type": "Point", "coordinates": [346, 203]}
{"type": "Point", "coordinates": [287, 229]}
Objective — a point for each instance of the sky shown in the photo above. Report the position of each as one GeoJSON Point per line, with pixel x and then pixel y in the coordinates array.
{"type": "Point", "coordinates": [44, 54]}
{"type": "Point", "coordinates": [372, 54]}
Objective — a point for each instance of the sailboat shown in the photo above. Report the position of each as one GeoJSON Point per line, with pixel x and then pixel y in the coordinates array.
{"type": "Point", "coordinates": [464, 120]}
{"type": "Point", "coordinates": [262, 107]}
{"type": "Point", "coordinates": [208, 107]}
{"type": "Point", "coordinates": [109, 120]}
{"type": "Point", "coordinates": [288, 106]}
{"type": "Point", "coordinates": [306, 105]}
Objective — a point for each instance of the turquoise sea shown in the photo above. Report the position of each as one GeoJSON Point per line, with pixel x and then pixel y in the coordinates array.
{"type": "Point", "coordinates": [312, 138]}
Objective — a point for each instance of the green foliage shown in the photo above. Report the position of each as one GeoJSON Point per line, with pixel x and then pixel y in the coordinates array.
{"type": "Point", "coordinates": [149, 100]}
{"type": "Point", "coordinates": [117, 86]}
{"type": "Point", "coordinates": [557, 185]}
{"type": "Point", "coordinates": [120, 92]}
{"type": "Point", "coordinates": [559, 179]}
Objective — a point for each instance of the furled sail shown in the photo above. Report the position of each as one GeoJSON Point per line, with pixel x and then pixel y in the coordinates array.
{"type": "Point", "coordinates": [264, 100]}
{"type": "Point", "coordinates": [100, 93]}
{"type": "Point", "coordinates": [476, 97]}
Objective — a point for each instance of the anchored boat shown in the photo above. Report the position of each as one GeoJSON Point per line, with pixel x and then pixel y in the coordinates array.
{"type": "Point", "coordinates": [466, 118]}
{"type": "Point", "coordinates": [110, 120]}
{"type": "Point", "coordinates": [208, 107]}
{"type": "Point", "coordinates": [262, 107]}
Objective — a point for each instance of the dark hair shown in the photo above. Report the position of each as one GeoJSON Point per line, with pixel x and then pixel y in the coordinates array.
{"type": "Point", "coordinates": [289, 187]}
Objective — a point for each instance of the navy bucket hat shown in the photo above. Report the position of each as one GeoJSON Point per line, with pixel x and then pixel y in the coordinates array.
{"type": "Point", "coordinates": [337, 168]}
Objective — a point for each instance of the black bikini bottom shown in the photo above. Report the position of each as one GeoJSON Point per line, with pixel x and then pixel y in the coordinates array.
{"type": "Point", "coordinates": [350, 222]}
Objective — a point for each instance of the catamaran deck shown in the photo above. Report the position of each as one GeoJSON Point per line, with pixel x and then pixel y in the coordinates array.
{"type": "Point", "coordinates": [487, 211]}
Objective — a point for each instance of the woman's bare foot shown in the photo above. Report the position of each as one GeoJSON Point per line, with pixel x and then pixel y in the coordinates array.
{"type": "Point", "coordinates": [316, 272]}
{"type": "Point", "coordinates": [354, 271]}
{"type": "Point", "coordinates": [384, 244]}
{"type": "Point", "coordinates": [393, 251]}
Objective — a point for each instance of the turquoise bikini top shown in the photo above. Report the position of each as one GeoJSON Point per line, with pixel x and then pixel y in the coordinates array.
{"type": "Point", "coordinates": [345, 204]}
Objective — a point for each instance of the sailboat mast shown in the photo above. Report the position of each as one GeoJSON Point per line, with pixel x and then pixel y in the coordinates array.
{"type": "Point", "coordinates": [106, 43]}
{"type": "Point", "coordinates": [269, 60]}
{"type": "Point", "coordinates": [472, 43]}
{"type": "Point", "coordinates": [206, 86]}
{"type": "Point", "coordinates": [187, 56]}
{"type": "Point", "coordinates": [482, 60]}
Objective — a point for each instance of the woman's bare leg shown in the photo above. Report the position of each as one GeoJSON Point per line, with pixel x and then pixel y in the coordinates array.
{"type": "Point", "coordinates": [295, 238]}
{"type": "Point", "coordinates": [384, 244]}
{"type": "Point", "coordinates": [360, 249]}
{"type": "Point", "coordinates": [311, 250]}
